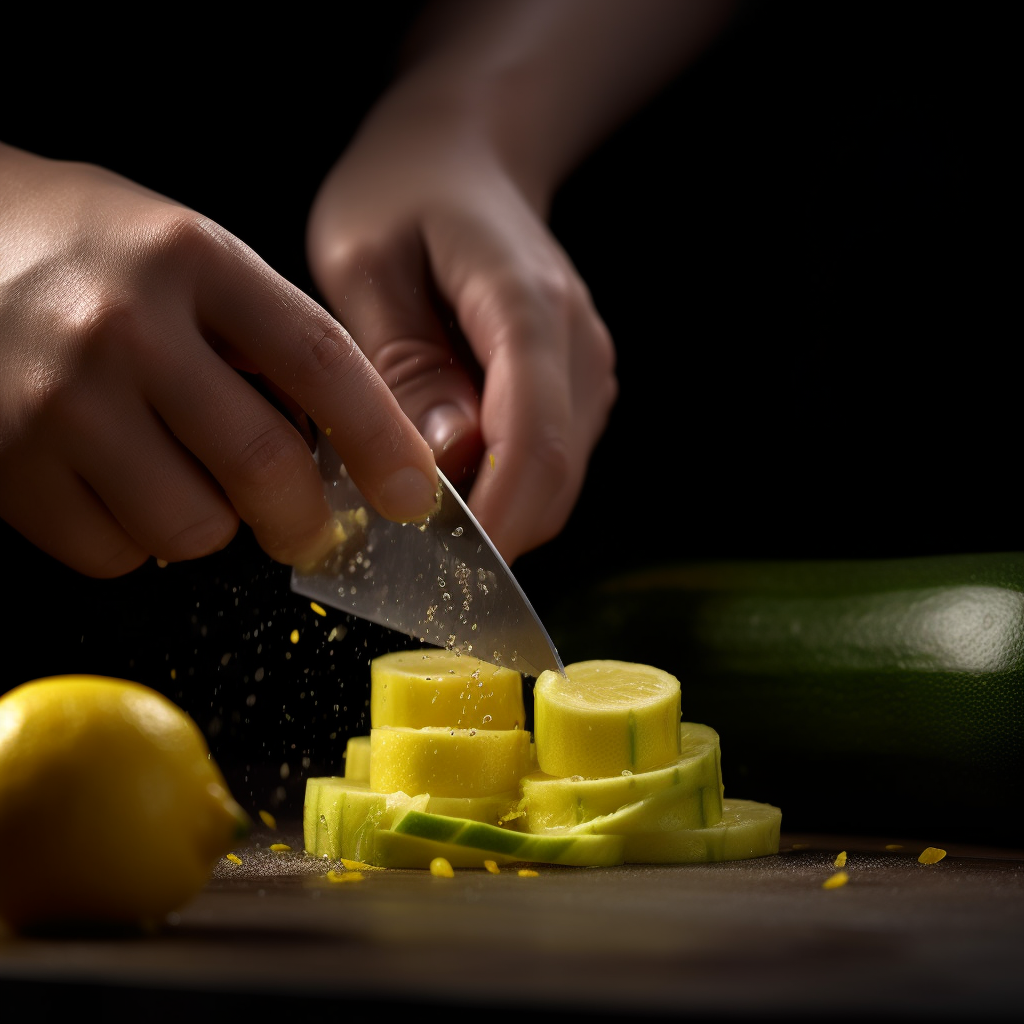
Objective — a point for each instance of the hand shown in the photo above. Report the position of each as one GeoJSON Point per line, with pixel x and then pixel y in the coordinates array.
{"type": "Point", "coordinates": [439, 263]}
{"type": "Point", "coordinates": [126, 429]}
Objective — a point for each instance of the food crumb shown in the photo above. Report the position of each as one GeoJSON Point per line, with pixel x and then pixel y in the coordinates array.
{"type": "Point", "coordinates": [931, 855]}
{"type": "Point", "coordinates": [234, 858]}
{"type": "Point", "coordinates": [440, 868]}
{"type": "Point", "coordinates": [319, 609]}
{"type": "Point", "coordinates": [894, 846]}
{"type": "Point", "coordinates": [344, 876]}
{"type": "Point", "coordinates": [492, 867]}
{"type": "Point", "coordinates": [840, 878]}
{"type": "Point", "coordinates": [492, 460]}
{"type": "Point", "coordinates": [279, 847]}
{"type": "Point", "coordinates": [800, 846]}
{"type": "Point", "coordinates": [162, 563]}
{"type": "Point", "coordinates": [358, 865]}
{"type": "Point", "coordinates": [294, 636]}
{"type": "Point", "coordinates": [268, 819]}
{"type": "Point", "coordinates": [840, 861]}
{"type": "Point", "coordinates": [527, 873]}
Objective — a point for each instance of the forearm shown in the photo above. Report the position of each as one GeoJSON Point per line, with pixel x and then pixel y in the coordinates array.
{"type": "Point", "coordinates": [544, 81]}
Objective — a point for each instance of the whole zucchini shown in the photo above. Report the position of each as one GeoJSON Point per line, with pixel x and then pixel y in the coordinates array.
{"type": "Point", "coordinates": [880, 698]}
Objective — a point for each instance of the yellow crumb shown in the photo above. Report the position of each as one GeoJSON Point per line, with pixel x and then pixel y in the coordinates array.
{"type": "Point", "coordinates": [268, 819]}
{"type": "Point", "coordinates": [440, 868]}
{"type": "Point", "coordinates": [527, 873]}
{"type": "Point", "coordinates": [358, 865]}
{"type": "Point", "coordinates": [162, 562]}
{"type": "Point", "coordinates": [344, 876]}
{"type": "Point", "coordinates": [492, 462]}
{"type": "Point", "coordinates": [840, 861]}
{"type": "Point", "coordinates": [492, 867]}
{"type": "Point", "coordinates": [174, 673]}
{"type": "Point", "coordinates": [317, 608]}
{"type": "Point", "coordinates": [800, 846]}
{"type": "Point", "coordinates": [838, 879]}
{"type": "Point", "coordinates": [327, 431]}
{"type": "Point", "coordinates": [295, 636]}
{"type": "Point", "coordinates": [932, 855]}
{"type": "Point", "coordinates": [234, 858]}
{"type": "Point", "coordinates": [279, 847]}
{"type": "Point", "coordinates": [894, 846]}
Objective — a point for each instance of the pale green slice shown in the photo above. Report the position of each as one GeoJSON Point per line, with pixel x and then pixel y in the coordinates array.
{"type": "Point", "coordinates": [747, 829]}
{"type": "Point", "coordinates": [448, 762]}
{"type": "Point", "coordinates": [578, 851]}
{"type": "Point", "coordinates": [401, 850]}
{"type": "Point", "coordinates": [488, 809]}
{"type": "Point", "coordinates": [357, 759]}
{"type": "Point", "coordinates": [696, 777]}
{"type": "Point", "coordinates": [340, 818]}
{"type": "Point", "coordinates": [430, 686]}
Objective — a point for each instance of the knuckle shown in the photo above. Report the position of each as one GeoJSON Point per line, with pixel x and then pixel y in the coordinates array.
{"type": "Point", "coordinates": [271, 459]}
{"type": "Point", "coordinates": [200, 538]}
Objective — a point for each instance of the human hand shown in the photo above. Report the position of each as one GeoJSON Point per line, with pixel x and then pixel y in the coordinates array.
{"type": "Point", "coordinates": [126, 429]}
{"type": "Point", "coordinates": [438, 261]}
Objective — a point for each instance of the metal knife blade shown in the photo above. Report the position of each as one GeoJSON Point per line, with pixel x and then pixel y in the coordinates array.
{"type": "Point", "coordinates": [442, 580]}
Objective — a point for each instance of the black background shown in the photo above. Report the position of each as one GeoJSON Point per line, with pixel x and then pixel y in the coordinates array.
{"type": "Point", "coordinates": [803, 249]}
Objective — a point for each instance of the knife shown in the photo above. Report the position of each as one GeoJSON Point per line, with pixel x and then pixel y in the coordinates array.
{"type": "Point", "coordinates": [441, 580]}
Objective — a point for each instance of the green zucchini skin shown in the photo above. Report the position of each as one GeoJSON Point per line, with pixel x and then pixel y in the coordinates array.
{"type": "Point", "coordinates": [879, 697]}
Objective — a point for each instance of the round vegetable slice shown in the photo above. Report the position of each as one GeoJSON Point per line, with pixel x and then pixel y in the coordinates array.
{"type": "Point", "coordinates": [603, 718]}
{"type": "Point", "coordinates": [695, 777]}
{"type": "Point", "coordinates": [434, 687]}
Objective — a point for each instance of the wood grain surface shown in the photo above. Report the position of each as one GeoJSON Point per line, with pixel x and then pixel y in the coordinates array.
{"type": "Point", "coordinates": [758, 938]}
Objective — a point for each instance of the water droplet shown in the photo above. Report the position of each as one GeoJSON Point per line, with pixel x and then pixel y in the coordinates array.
{"type": "Point", "coordinates": [457, 532]}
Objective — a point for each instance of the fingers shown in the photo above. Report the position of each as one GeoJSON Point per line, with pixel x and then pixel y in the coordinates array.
{"type": "Point", "coordinates": [263, 463]}
{"type": "Point", "coordinates": [381, 283]}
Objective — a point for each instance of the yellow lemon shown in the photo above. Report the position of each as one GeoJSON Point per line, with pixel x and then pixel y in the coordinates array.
{"type": "Point", "coordinates": [604, 718]}
{"type": "Point", "coordinates": [111, 809]}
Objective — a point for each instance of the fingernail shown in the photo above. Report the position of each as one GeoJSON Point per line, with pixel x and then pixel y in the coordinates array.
{"type": "Point", "coordinates": [408, 495]}
{"type": "Point", "coordinates": [442, 427]}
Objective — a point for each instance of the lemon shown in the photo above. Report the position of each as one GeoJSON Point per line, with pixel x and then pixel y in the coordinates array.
{"type": "Point", "coordinates": [435, 687]}
{"type": "Point", "coordinates": [603, 718]}
{"type": "Point", "coordinates": [111, 808]}
{"type": "Point", "coordinates": [448, 762]}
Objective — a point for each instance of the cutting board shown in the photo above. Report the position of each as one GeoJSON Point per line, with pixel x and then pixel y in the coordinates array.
{"type": "Point", "coordinates": [761, 938]}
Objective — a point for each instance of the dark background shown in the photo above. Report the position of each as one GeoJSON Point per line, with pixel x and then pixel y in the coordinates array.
{"type": "Point", "coordinates": [802, 248]}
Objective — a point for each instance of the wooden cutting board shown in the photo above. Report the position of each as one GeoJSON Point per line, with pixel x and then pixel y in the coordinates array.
{"type": "Point", "coordinates": [759, 938]}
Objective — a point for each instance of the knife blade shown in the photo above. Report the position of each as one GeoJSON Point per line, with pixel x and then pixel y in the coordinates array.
{"type": "Point", "coordinates": [441, 580]}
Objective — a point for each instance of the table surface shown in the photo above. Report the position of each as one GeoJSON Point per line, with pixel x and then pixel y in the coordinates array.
{"type": "Point", "coordinates": [757, 938]}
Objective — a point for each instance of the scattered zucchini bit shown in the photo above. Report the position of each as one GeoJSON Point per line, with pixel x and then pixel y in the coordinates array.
{"type": "Point", "coordinates": [931, 855]}
{"type": "Point", "coordinates": [357, 865]}
{"type": "Point", "coordinates": [294, 636]}
{"type": "Point", "coordinates": [894, 846]}
{"type": "Point", "coordinates": [234, 858]}
{"type": "Point", "coordinates": [344, 876]}
{"type": "Point", "coordinates": [527, 873]}
{"type": "Point", "coordinates": [839, 879]}
{"type": "Point", "coordinates": [440, 868]}
{"type": "Point", "coordinates": [840, 861]}
{"type": "Point", "coordinates": [280, 847]}
{"type": "Point", "coordinates": [268, 819]}
{"type": "Point", "coordinates": [492, 867]}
